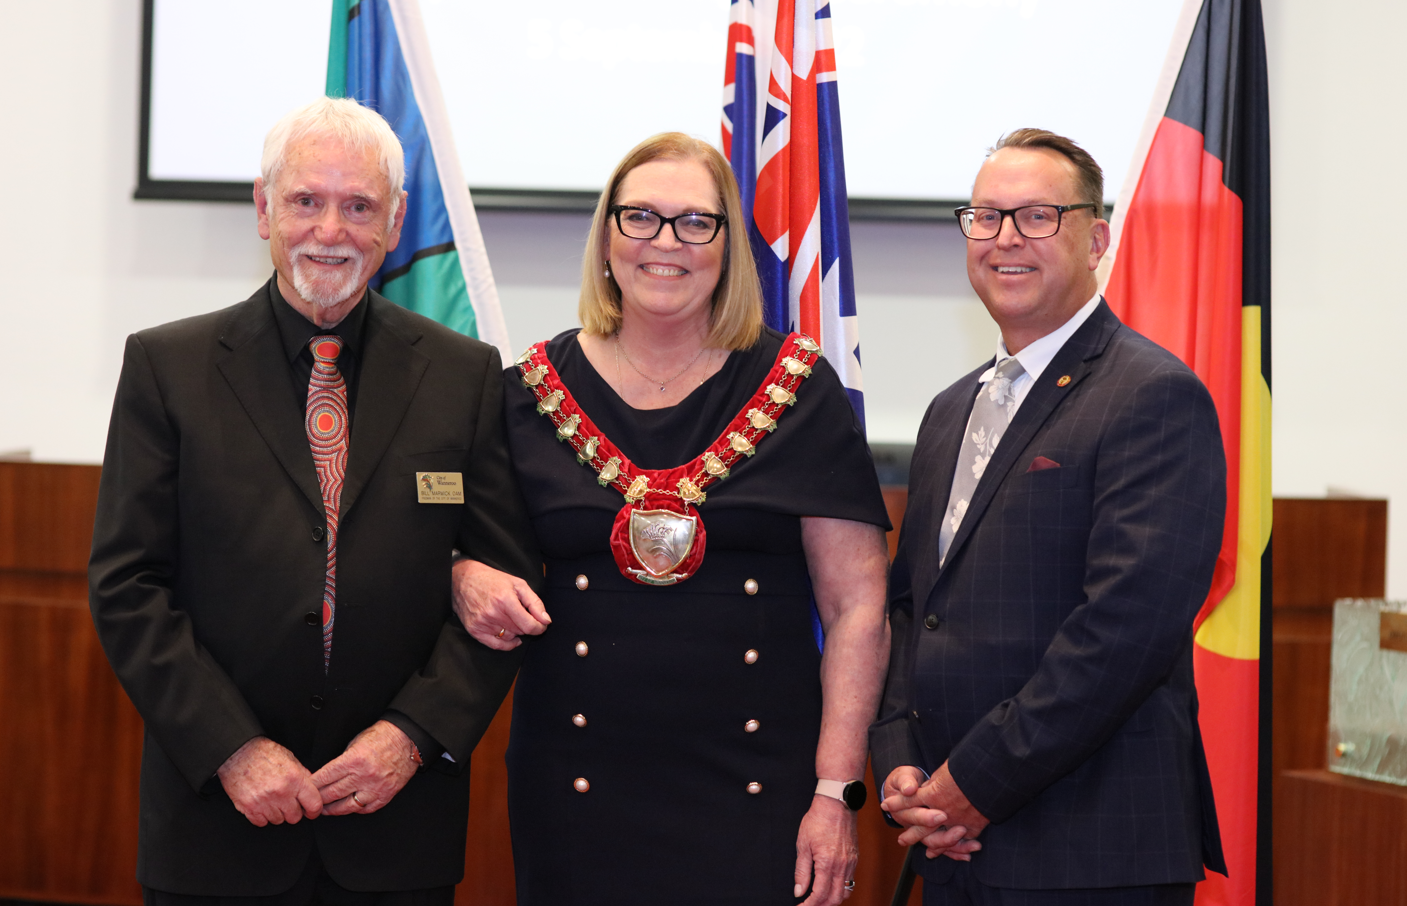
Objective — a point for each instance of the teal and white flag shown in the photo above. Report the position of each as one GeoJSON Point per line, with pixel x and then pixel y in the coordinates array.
{"type": "Point", "coordinates": [378, 54]}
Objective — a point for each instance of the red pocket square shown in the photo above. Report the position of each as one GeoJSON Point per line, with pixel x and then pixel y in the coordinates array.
{"type": "Point", "coordinates": [1041, 463]}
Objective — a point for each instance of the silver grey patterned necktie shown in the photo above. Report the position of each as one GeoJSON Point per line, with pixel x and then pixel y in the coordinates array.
{"type": "Point", "coordinates": [991, 413]}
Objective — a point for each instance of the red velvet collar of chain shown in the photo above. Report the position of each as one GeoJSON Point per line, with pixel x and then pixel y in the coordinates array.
{"type": "Point", "coordinates": [658, 537]}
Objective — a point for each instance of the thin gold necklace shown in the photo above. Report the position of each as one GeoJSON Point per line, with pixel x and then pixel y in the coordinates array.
{"type": "Point", "coordinates": [620, 348]}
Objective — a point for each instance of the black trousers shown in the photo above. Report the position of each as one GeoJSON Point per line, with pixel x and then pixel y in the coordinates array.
{"type": "Point", "coordinates": [963, 889]}
{"type": "Point", "coordinates": [313, 888]}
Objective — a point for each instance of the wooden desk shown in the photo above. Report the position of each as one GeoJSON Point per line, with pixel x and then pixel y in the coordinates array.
{"type": "Point", "coordinates": [1339, 841]}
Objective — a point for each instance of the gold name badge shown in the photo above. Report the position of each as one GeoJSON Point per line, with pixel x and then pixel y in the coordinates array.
{"type": "Point", "coordinates": [440, 487]}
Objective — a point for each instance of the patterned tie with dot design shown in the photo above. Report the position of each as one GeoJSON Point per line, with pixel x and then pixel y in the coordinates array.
{"type": "Point", "coordinates": [327, 434]}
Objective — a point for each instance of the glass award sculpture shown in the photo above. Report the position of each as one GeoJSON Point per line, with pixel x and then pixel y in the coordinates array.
{"type": "Point", "coordinates": [1368, 690]}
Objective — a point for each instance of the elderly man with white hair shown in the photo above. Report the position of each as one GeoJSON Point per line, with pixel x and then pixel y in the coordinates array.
{"type": "Point", "coordinates": [284, 486]}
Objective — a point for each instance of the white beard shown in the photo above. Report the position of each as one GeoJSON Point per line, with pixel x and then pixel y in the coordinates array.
{"type": "Point", "coordinates": [326, 290]}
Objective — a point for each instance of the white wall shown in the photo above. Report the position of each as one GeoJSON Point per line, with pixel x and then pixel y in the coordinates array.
{"type": "Point", "coordinates": [1337, 140]}
{"type": "Point", "coordinates": [84, 264]}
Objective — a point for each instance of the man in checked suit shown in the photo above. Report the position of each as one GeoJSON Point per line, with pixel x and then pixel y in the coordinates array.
{"type": "Point", "coordinates": [1065, 511]}
{"type": "Point", "coordinates": [270, 573]}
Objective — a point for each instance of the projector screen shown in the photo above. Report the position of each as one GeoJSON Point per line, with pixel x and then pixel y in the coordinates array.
{"type": "Point", "coordinates": [541, 105]}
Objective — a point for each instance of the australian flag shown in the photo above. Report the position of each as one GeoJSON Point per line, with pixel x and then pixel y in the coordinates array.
{"type": "Point", "coordinates": [781, 133]}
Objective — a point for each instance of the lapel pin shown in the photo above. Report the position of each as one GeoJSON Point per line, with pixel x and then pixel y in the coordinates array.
{"type": "Point", "coordinates": [1064, 380]}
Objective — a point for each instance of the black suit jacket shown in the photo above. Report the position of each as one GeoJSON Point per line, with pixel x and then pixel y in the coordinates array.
{"type": "Point", "coordinates": [1049, 660]}
{"type": "Point", "coordinates": [208, 555]}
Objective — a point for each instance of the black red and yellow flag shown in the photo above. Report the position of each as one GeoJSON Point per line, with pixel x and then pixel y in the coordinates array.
{"type": "Point", "coordinates": [1190, 268]}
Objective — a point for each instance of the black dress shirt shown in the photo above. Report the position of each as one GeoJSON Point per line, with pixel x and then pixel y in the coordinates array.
{"type": "Point", "coordinates": [296, 332]}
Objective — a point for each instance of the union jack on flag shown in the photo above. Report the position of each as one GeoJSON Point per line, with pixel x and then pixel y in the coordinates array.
{"type": "Point", "coordinates": [783, 143]}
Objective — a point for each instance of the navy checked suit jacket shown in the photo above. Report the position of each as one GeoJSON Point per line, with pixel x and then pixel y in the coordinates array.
{"type": "Point", "coordinates": [1049, 660]}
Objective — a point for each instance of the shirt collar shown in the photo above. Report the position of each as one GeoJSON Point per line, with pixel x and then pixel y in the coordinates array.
{"type": "Point", "coordinates": [296, 331]}
{"type": "Point", "coordinates": [1038, 355]}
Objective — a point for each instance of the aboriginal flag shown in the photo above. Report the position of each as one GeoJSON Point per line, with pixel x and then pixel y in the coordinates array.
{"type": "Point", "coordinates": [1190, 268]}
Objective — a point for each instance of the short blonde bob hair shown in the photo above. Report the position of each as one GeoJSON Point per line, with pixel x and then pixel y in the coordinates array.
{"type": "Point", "coordinates": [736, 319]}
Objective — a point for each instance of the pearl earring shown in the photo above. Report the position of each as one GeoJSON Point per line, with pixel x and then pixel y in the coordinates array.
{"type": "Point", "coordinates": [608, 270]}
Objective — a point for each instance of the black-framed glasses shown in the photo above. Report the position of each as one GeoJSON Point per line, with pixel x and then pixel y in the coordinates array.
{"type": "Point", "coordinates": [694, 227]}
{"type": "Point", "coordinates": [1034, 221]}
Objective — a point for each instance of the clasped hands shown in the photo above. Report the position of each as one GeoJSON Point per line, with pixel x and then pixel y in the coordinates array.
{"type": "Point", "coordinates": [934, 812]}
{"type": "Point", "coordinates": [268, 785]}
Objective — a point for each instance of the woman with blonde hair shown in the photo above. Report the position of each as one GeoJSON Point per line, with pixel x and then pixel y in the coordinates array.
{"type": "Point", "coordinates": [687, 727]}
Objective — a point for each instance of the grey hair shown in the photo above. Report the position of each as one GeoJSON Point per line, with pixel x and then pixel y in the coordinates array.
{"type": "Point", "coordinates": [357, 126]}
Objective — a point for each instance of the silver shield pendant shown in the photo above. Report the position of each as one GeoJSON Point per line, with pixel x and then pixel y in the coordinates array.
{"type": "Point", "coordinates": [661, 540]}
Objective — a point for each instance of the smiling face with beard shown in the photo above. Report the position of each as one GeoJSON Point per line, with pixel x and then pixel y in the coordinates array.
{"type": "Point", "coordinates": [329, 220]}
{"type": "Point", "coordinates": [326, 276]}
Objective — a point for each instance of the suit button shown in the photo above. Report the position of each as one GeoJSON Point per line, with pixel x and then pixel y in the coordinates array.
{"type": "Point", "coordinates": [581, 784]}
{"type": "Point", "coordinates": [750, 586]}
{"type": "Point", "coordinates": [582, 649]}
{"type": "Point", "coordinates": [318, 533]}
{"type": "Point", "coordinates": [750, 656]}
{"type": "Point", "coordinates": [316, 702]}
{"type": "Point", "coordinates": [751, 726]}
{"type": "Point", "coordinates": [931, 621]}
{"type": "Point", "coordinates": [579, 719]}
{"type": "Point", "coordinates": [312, 618]}
{"type": "Point", "coordinates": [582, 583]}
{"type": "Point", "coordinates": [754, 788]}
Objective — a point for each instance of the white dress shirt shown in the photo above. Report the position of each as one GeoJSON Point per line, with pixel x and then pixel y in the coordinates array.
{"type": "Point", "coordinates": [1036, 357]}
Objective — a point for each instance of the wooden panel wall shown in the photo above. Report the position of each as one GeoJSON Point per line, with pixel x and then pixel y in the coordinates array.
{"type": "Point", "coordinates": [70, 748]}
{"type": "Point", "coordinates": [1323, 550]}
{"type": "Point", "coordinates": [1337, 839]}
{"type": "Point", "coordinates": [488, 853]}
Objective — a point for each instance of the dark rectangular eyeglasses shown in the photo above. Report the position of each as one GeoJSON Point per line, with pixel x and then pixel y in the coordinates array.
{"type": "Point", "coordinates": [695, 228]}
{"type": "Point", "coordinates": [1034, 221]}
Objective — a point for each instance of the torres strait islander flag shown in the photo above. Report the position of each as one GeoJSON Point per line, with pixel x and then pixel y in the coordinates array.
{"type": "Point", "coordinates": [781, 134]}
{"type": "Point", "coordinates": [378, 54]}
{"type": "Point", "coordinates": [1190, 268]}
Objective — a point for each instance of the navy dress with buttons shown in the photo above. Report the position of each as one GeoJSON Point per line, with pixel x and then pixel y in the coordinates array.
{"type": "Point", "coordinates": [664, 739]}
